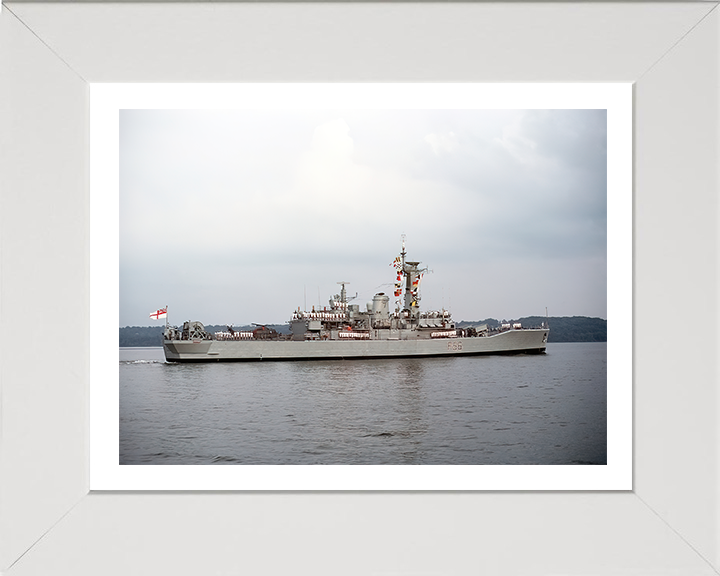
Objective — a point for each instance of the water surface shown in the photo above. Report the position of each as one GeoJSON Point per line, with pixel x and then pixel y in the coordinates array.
{"type": "Point", "coordinates": [537, 409]}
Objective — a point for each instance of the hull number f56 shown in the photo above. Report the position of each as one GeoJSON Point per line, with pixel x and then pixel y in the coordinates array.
{"type": "Point", "coordinates": [454, 346]}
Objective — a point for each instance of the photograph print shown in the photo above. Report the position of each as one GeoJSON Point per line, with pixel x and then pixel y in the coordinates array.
{"type": "Point", "coordinates": [363, 287]}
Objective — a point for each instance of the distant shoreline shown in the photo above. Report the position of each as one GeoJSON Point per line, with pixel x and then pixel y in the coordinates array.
{"type": "Point", "coordinates": [562, 329]}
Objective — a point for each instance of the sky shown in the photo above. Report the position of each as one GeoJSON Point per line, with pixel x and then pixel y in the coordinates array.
{"type": "Point", "coordinates": [242, 216]}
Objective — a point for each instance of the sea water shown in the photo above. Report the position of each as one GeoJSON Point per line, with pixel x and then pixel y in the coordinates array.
{"type": "Point", "coordinates": [528, 409]}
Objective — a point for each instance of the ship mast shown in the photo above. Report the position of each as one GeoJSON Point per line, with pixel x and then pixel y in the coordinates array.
{"type": "Point", "coordinates": [343, 294]}
{"type": "Point", "coordinates": [411, 296]}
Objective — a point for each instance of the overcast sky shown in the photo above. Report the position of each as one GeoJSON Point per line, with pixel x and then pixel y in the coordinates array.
{"type": "Point", "coordinates": [244, 216]}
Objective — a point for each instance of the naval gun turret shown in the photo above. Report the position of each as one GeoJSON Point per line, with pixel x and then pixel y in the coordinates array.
{"type": "Point", "coordinates": [193, 330]}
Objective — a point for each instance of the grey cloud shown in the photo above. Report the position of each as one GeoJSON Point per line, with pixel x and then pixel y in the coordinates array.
{"type": "Point", "coordinates": [224, 217]}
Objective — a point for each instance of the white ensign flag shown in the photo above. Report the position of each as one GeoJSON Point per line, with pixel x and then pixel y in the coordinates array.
{"type": "Point", "coordinates": [162, 313]}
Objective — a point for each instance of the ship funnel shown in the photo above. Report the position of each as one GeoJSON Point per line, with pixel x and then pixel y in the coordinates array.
{"type": "Point", "coordinates": [380, 306]}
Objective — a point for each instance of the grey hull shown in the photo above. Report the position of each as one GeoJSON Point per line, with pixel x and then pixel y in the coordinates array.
{"type": "Point", "coordinates": [525, 341]}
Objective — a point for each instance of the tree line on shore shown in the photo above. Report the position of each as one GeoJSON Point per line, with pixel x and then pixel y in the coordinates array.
{"type": "Point", "coordinates": [562, 329]}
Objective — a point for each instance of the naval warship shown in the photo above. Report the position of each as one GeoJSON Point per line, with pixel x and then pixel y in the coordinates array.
{"type": "Point", "coordinates": [343, 331]}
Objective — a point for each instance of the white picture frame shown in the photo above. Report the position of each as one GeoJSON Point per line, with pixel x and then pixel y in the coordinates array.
{"type": "Point", "coordinates": [50, 522]}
